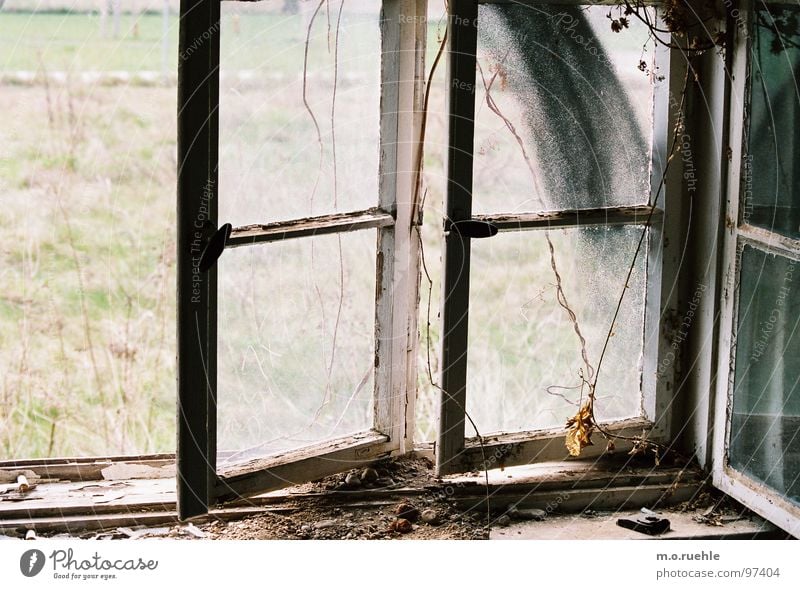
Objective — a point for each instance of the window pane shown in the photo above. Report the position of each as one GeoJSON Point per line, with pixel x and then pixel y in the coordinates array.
{"type": "Point", "coordinates": [765, 426]}
{"type": "Point", "coordinates": [521, 341]}
{"type": "Point", "coordinates": [772, 166]}
{"type": "Point", "coordinates": [270, 164]}
{"type": "Point", "coordinates": [296, 333]}
{"type": "Point", "coordinates": [572, 90]}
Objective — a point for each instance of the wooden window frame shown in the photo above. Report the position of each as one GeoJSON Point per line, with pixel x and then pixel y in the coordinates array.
{"type": "Point", "coordinates": [753, 494]}
{"type": "Point", "coordinates": [200, 484]}
{"type": "Point", "coordinates": [455, 452]}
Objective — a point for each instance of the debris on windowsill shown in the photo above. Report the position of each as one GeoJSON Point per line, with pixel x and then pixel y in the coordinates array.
{"type": "Point", "coordinates": [125, 471]}
{"type": "Point", "coordinates": [193, 530]}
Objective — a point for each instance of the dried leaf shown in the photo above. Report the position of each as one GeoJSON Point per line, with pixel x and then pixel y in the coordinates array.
{"type": "Point", "coordinates": [580, 427]}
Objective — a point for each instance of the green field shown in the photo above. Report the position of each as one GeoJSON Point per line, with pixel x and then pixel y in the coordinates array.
{"type": "Point", "coordinates": [87, 192]}
{"type": "Point", "coordinates": [74, 42]}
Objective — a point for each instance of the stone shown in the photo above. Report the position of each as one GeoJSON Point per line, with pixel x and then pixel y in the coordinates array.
{"type": "Point", "coordinates": [325, 523]}
{"type": "Point", "coordinates": [352, 481]}
{"type": "Point", "coordinates": [402, 525]}
{"type": "Point", "coordinates": [407, 511]}
{"type": "Point", "coordinates": [430, 517]}
{"type": "Point", "coordinates": [369, 475]}
{"type": "Point", "coordinates": [528, 514]}
{"type": "Point", "coordinates": [503, 520]}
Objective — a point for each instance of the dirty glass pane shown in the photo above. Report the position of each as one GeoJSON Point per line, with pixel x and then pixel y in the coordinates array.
{"type": "Point", "coordinates": [765, 425]}
{"type": "Point", "coordinates": [573, 92]}
{"type": "Point", "coordinates": [772, 165]}
{"type": "Point", "coordinates": [521, 341]}
{"type": "Point", "coordinates": [278, 160]}
{"type": "Point", "coordinates": [296, 333]}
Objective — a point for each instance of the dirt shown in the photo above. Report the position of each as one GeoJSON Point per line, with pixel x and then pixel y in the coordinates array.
{"type": "Point", "coordinates": [405, 486]}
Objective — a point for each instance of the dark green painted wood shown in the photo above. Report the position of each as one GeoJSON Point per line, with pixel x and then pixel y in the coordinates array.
{"type": "Point", "coordinates": [198, 99]}
{"type": "Point", "coordinates": [461, 65]}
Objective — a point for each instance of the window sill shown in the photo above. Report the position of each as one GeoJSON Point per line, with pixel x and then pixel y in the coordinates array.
{"type": "Point", "coordinates": [558, 488]}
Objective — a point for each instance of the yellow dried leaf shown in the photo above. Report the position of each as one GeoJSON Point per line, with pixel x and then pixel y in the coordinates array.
{"type": "Point", "coordinates": [579, 430]}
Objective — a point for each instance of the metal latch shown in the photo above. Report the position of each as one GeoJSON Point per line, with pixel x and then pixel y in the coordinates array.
{"type": "Point", "coordinates": [472, 228]}
{"type": "Point", "coordinates": [214, 247]}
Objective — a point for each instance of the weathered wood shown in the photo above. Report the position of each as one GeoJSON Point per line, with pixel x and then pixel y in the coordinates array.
{"type": "Point", "coordinates": [638, 215]}
{"type": "Point", "coordinates": [539, 446]}
{"type": "Point", "coordinates": [321, 225]}
{"type": "Point", "coordinates": [579, 500]}
{"type": "Point", "coordinates": [564, 486]}
{"type": "Point", "coordinates": [78, 524]}
{"type": "Point", "coordinates": [317, 461]}
{"type": "Point", "coordinates": [403, 33]}
{"type": "Point", "coordinates": [772, 242]}
{"type": "Point", "coordinates": [86, 470]}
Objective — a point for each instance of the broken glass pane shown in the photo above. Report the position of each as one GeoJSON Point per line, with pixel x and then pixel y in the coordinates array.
{"type": "Point", "coordinates": [765, 424]}
{"type": "Point", "coordinates": [295, 145]}
{"type": "Point", "coordinates": [521, 341]}
{"type": "Point", "coordinates": [771, 178]}
{"type": "Point", "coordinates": [577, 100]}
{"type": "Point", "coordinates": [295, 343]}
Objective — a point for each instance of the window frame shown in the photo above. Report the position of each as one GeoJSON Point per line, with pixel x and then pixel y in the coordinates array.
{"type": "Point", "coordinates": [753, 494]}
{"type": "Point", "coordinates": [200, 483]}
{"type": "Point", "coordinates": [455, 451]}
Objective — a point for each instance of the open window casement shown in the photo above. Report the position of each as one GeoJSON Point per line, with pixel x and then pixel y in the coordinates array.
{"type": "Point", "coordinates": [294, 357]}
{"type": "Point", "coordinates": [557, 143]}
{"type": "Point", "coordinates": [757, 425]}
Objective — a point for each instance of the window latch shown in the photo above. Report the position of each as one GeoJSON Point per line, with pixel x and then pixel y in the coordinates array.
{"type": "Point", "coordinates": [472, 228]}
{"type": "Point", "coordinates": [214, 247]}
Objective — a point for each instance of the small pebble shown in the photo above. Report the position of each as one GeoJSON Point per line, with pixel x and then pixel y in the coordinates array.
{"type": "Point", "coordinates": [430, 517]}
{"type": "Point", "coordinates": [325, 523]}
{"type": "Point", "coordinates": [407, 511]}
{"type": "Point", "coordinates": [534, 514]}
{"type": "Point", "coordinates": [369, 475]}
{"type": "Point", "coordinates": [402, 525]}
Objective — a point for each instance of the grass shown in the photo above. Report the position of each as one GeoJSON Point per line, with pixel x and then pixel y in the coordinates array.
{"type": "Point", "coordinates": [75, 42]}
{"type": "Point", "coordinates": [87, 188]}
{"type": "Point", "coordinates": [87, 322]}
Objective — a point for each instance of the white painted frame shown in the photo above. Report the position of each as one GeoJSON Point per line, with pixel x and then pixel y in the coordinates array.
{"type": "Point", "coordinates": [403, 29]}
{"type": "Point", "coordinates": [753, 494]}
{"type": "Point", "coordinates": [662, 298]}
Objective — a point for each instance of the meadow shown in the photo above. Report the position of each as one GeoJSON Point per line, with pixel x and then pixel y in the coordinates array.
{"type": "Point", "coordinates": [87, 194]}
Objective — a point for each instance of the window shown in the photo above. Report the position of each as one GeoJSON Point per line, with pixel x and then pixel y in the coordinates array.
{"type": "Point", "coordinates": [757, 441]}
{"type": "Point", "coordinates": [558, 144]}
{"type": "Point", "coordinates": [294, 345]}
{"type": "Point", "coordinates": [579, 179]}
